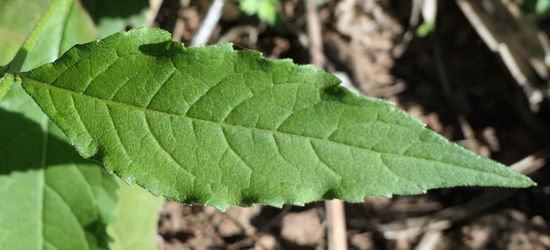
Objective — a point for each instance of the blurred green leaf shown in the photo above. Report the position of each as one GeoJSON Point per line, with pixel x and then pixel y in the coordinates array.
{"type": "Point", "coordinates": [51, 198]}
{"type": "Point", "coordinates": [61, 26]}
{"type": "Point", "coordinates": [424, 29]}
{"type": "Point", "coordinates": [542, 6]}
{"type": "Point", "coordinates": [114, 16]}
{"type": "Point", "coordinates": [535, 7]}
{"type": "Point", "coordinates": [17, 18]}
{"type": "Point", "coordinates": [265, 9]}
{"type": "Point", "coordinates": [137, 219]}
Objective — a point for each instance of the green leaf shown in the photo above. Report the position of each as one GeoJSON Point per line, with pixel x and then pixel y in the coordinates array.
{"type": "Point", "coordinates": [61, 26]}
{"type": "Point", "coordinates": [137, 219]}
{"type": "Point", "coordinates": [424, 29]}
{"type": "Point", "coordinates": [222, 127]}
{"type": "Point", "coordinates": [265, 9]}
{"type": "Point", "coordinates": [51, 197]}
{"type": "Point", "coordinates": [114, 16]}
{"type": "Point", "coordinates": [542, 6]}
{"type": "Point", "coordinates": [17, 18]}
{"type": "Point", "coordinates": [5, 83]}
{"type": "Point", "coordinates": [67, 26]}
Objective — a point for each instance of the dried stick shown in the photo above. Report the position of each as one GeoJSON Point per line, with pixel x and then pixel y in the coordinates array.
{"type": "Point", "coordinates": [237, 31]}
{"type": "Point", "coordinates": [152, 13]}
{"type": "Point", "coordinates": [315, 37]}
{"type": "Point", "coordinates": [336, 225]}
{"type": "Point", "coordinates": [179, 28]}
{"type": "Point", "coordinates": [209, 23]}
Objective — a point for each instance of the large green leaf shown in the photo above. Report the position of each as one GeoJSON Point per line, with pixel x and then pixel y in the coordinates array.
{"type": "Point", "coordinates": [223, 127]}
{"type": "Point", "coordinates": [137, 219]}
{"type": "Point", "coordinates": [51, 198]}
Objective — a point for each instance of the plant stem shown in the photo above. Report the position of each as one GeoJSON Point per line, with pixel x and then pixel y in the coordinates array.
{"type": "Point", "coordinates": [5, 83]}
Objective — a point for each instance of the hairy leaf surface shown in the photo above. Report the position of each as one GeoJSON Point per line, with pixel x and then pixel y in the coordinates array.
{"type": "Point", "coordinates": [222, 127]}
{"type": "Point", "coordinates": [51, 198]}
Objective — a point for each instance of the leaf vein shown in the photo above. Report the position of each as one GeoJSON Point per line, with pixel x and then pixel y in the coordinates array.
{"type": "Point", "coordinates": [323, 162]}
{"type": "Point", "coordinates": [130, 106]}
{"type": "Point", "coordinates": [236, 153]}
{"type": "Point", "coordinates": [160, 87]}
{"type": "Point", "coordinates": [118, 135]}
{"type": "Point", "coordinates": [48, 187]}
{"type": "Point", "coordinates": [148, 126]}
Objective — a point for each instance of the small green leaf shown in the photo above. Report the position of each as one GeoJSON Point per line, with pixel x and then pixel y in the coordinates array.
{"type": "Point", "coordinates": [265, 9]}
{"type": "Point", "coordinates": [424, 29]}
{"type": "Point", "coordinates": [222, 127]}
{"type": "Point", "coordinates": [137, 219]}
{"type": "Point", "coordinates": [51, 197]}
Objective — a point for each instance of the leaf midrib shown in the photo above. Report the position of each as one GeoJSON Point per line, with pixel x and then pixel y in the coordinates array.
{"type": "Point", "coordinates": [71, 92]}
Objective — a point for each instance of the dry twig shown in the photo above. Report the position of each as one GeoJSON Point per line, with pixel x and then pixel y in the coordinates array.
{"type": "Point", "coordinates": [523, 49]}
{"type": "Point", "coordinates": [152, 14]}
{"type": "Point", "coordinates": [315, 37]}
{"type": "Point", "coordinates": [179, 28]}
{"type": "Point", "coordinates": [209, 23]}
{"type": "Point", "coordinates": [237, 31]}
